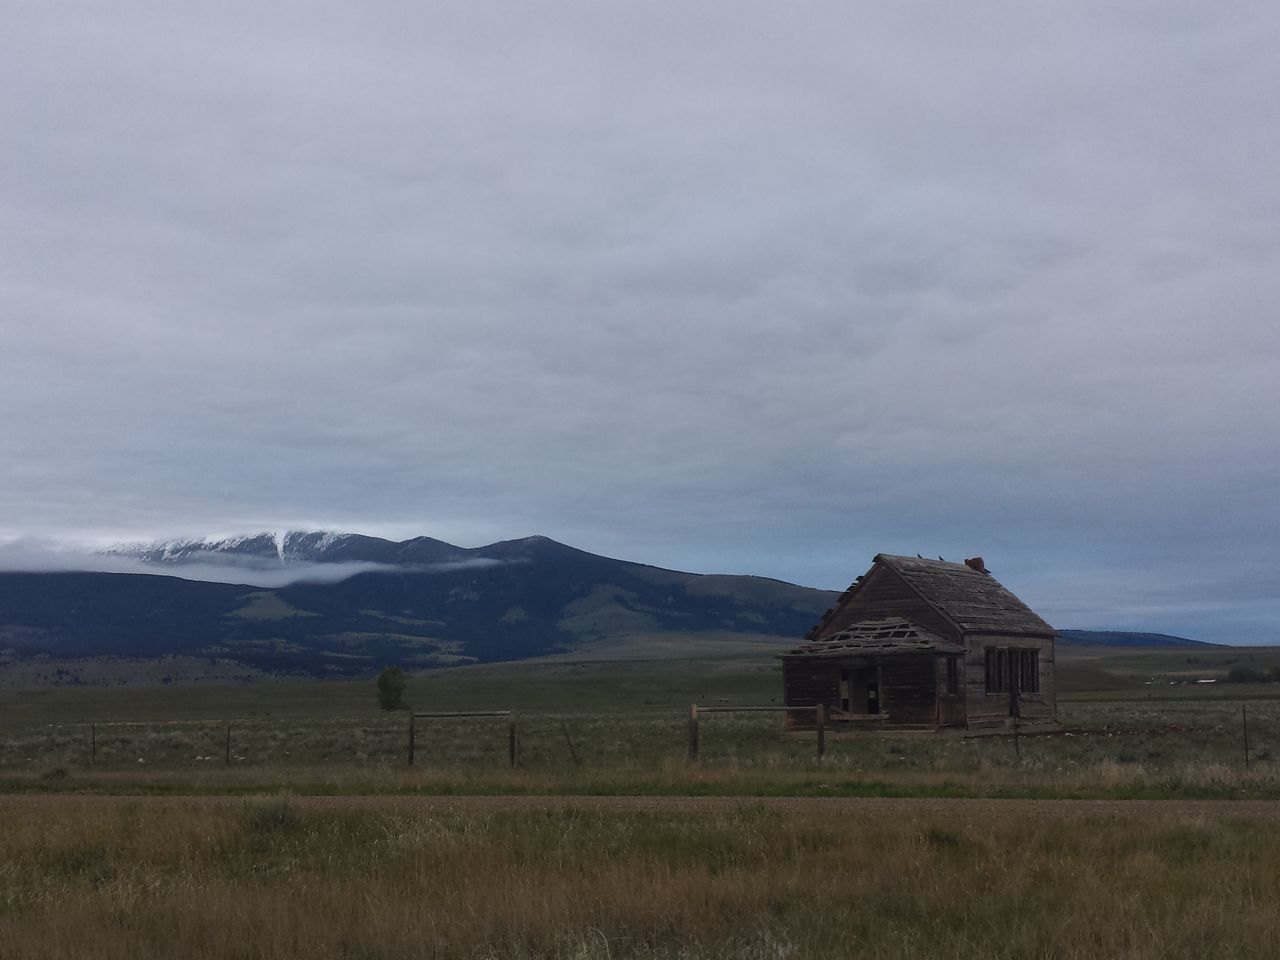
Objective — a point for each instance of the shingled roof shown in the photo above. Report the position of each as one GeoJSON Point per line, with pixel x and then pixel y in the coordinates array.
{"type": "Point", "coordinates": [892, 635]}
{"type": "Point", "coordinates": [972, 599]}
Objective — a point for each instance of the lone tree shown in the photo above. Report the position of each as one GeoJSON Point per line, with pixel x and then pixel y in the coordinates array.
{"type": "Point", "coordinates": [391, 688]}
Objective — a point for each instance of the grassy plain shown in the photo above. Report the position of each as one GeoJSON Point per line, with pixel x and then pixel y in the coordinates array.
{"type": "Point", "coordinates": [319, 841]}
{"type": "Point", "coordinates": [1137, 724]}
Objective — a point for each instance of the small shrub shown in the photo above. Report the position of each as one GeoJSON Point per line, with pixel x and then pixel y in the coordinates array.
{"type": "Point", "coordinates": [391, 683]}
{"type": "Point", "coordinates": [944, 839]}
{"type": "Point", "coordinates": [1246, 674]}
{"type": "Point", "coordinates": [274, 818]}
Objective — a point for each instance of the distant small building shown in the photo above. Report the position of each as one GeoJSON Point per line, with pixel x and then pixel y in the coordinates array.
{"type": "Point", "coordinates": [925, 644]}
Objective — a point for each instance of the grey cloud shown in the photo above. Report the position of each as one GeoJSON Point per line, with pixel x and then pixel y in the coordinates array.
{"type": "Point", "coordinates": [733, 287]}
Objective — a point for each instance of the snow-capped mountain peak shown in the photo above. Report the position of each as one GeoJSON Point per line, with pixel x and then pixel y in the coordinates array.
{"type": "Point", "coordinates": [289, 548]}
{"type": "Point", "coordinates": [281, 546]}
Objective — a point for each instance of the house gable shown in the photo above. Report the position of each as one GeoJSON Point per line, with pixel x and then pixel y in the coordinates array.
{"type": "Point", "coordinates": [880, 593]}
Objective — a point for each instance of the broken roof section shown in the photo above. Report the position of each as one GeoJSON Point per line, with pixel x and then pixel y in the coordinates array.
{"type": "Point", "coordinates": [890, 636]}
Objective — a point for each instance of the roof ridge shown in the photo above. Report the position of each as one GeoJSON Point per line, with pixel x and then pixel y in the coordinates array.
{"type": "Point", "coordinates": [929, 560]}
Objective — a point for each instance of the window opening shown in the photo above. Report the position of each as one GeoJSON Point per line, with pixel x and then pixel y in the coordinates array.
{"type": "Point", "coordinates": [1004, 668]}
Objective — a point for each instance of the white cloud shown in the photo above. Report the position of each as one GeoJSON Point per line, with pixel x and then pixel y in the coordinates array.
{"type": "Point", "coordinates": [29, 555]}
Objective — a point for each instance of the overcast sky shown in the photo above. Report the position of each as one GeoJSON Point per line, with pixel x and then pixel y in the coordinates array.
{"type": "Point", "coordinates": [737, 287]}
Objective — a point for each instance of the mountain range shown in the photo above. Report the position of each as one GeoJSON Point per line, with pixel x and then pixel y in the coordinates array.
{"type": "Point", "coordinates": [419, 602]}
{"type": "Point", "coordinates": [333, 604]}
{"type": "Point", "coordinates": [1125, 638]}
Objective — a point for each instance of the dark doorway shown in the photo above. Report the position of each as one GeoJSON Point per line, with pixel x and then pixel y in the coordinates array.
{"type": "Point", "coordinates": [860, 690]}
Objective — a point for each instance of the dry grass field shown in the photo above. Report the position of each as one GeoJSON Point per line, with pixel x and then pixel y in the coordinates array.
{"type": "Point", "coordinates": [1140, 833]}
{"type": "Point", "coordinates": [268, 879]}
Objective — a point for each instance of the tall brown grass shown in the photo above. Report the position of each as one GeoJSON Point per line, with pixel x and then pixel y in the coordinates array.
{"type": "Point", "coordinates": [1102, 778]}
{"type": "Point", "coordinates": [279, 878]}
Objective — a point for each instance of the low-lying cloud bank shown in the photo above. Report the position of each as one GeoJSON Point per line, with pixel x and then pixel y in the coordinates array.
{"type": "Point", "coordinates": [45, 556]}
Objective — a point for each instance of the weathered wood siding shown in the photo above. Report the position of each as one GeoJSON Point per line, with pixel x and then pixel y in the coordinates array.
{"type": "Point", "coordinates": [989, 707]}
{"type": "Point", "coordinates": [882, 594]}
{"type": "Point", "coordinates": [806, 684]}
{"type": "Point", "coordinates": [908, 690]}
{"type": "Point", "coordinates": [951, 707]}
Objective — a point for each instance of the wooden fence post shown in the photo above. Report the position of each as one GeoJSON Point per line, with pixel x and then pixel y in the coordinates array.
{"type": "Point", "coordinates": [1015, 711]}
{"type": "Point", "coordinates": [1244, 719]}
{"type": "Point", "coordinates": [693, 731]}
{"type": "Point", "coordinates": [511, 738]}
{"type": "Point", "coordinates": [821, 726]}
{"type": "Point", "coordinates": [412, 732]}
{"type": "Point", "coordinates": [226, 757]}
{"type": "Point", "coordinates": [821, 714]}
{"type": "Point", "coordinates": [564, 728]}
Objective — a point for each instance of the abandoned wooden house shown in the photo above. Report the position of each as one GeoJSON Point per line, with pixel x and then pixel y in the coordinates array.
{"type": "Point", "coordinates": [924, 644]}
